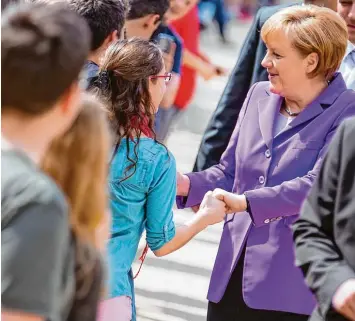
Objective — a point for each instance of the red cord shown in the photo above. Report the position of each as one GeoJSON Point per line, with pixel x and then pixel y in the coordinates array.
{"type": "Point", "coordinates": [142, 258]}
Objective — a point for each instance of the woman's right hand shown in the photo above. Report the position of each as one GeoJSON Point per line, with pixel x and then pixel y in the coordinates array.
{"type": "Point", "coordinates": [212, 210]}
{"type": "Point", "coordinates": [183, 184]}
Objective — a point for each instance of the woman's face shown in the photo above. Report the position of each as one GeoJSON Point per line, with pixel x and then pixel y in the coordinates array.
{"type": "Point", "coordinates": [287, 69]}
{"type": "Point", "coordinates": [157, 88]}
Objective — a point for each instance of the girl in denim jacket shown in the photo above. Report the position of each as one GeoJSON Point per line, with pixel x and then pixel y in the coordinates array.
{"type": "Point", "coordinates": [142, 180]}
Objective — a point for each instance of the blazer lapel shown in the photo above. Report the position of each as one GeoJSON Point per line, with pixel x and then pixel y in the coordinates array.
{"type": "Point", "coordinates": [311, 111]}
{"type": "Point", "coordinates": [268, 109]}
{"type": "Point", "coordinates": [322, 102]}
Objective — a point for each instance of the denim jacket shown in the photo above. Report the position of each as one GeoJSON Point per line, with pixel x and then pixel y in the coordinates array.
{"type": "Point", "coordinates": [143, 201]}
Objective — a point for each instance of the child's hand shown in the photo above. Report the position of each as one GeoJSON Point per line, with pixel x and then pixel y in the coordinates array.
{"type": "Point", "coordinates": [212, 210]}
{"type": "Point", "coordinates": [234, 203]}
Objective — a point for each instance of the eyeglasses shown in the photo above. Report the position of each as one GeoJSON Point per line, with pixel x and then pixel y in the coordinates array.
{"type": "Point", "coordinates": [167, 76]}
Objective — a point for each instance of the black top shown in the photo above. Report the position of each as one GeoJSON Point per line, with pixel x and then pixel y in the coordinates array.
{"type": "Point", "coordinates": [325, 232]}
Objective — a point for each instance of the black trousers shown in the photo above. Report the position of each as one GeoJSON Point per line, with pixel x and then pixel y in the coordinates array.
{"type": "Point", "coordinates": [233, 308]}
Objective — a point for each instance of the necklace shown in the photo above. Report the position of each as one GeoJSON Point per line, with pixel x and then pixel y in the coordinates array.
{"type": "Point", "coordinates": [288, 111]}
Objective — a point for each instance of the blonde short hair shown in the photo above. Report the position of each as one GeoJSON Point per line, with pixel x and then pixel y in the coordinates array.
{"type": "Point", "coordinates": [312, 29]}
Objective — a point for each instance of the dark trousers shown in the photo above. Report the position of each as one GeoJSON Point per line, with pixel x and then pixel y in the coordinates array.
{"type": "Point", "coordinates": [233, 308]}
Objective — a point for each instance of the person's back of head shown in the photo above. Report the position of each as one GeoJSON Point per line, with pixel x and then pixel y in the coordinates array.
{"type": "Point", "coordinates": [144, 16]}
{"type": "Point", "coordinates": [43, 49]}
{"type": "Point", "coordinates": [105, 18]}
{"type": "Point", "coordinates": [42, 52]}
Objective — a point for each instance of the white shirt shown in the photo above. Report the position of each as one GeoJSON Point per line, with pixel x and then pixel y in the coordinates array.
{"type": "Point", "coordinates": [347, 67]}
{"type": "Point", "coordinates": [281, 123]}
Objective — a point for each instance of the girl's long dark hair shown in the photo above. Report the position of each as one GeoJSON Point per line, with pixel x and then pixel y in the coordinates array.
{"type": "Point", "coordinates": [123, 83]}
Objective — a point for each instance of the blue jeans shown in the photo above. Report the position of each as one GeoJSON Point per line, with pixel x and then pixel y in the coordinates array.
{"type": "Point", "coordinates": [210, 10]}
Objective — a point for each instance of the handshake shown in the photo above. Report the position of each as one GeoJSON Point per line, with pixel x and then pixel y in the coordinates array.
{"type": "Point", "coordinates": [215, 205]}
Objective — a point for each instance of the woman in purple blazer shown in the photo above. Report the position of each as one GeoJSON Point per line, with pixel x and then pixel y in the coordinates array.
{"type": "Point", "coordinates": [272, 159]}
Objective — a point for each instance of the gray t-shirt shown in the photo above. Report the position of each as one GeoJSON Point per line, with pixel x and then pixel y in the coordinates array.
{"type": "Point", "coordinates": [37, 253]}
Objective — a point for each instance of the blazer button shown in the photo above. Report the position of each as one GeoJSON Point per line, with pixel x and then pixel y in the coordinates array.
{"type": "Point", "coordinates": [261, 180]}
{"type": "Point", "coordinates": [268, 153]}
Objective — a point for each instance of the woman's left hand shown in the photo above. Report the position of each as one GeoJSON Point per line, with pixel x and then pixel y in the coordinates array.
{"type": "Point", "coordinates": [234, 203]}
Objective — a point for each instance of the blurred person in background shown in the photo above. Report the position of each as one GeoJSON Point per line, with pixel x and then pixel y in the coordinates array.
{"type": "Point", "coordinates": [144, 17]}
{"type": "Point", "coordinates": [147, 20]}
{"type": "Point", "coordinates": [325, 232]}
{"type": "Point", "coordinates": [106, 19]}
{"type": "Point", "coordinates": [247, 71]}
{"type": "Point", "coordinates": [172, 55]}
{"type": "Point", "coordinates": [142, 173]}
{"type": "Point", "coordinates": [246, 10]}
{"type": "Point", "coordinates": [270, 164]}
{"type": "Point", "coordinates": [214, 10]}
{"type": "Point", "coordinates": [172, 46]}
{"type": "Point", "coordinates": [179, 16]}
{"type": "Point", "coordinates": [167, 112]}
{"type": "Point", "coordinates": [267, 2]}
{"type": "Point", "coordinates": [77, 162]}
{"type": "Point", "coordinates": [194, 63]}
{"type": "Point", "coordinates": [39, 102]}
{"type": "Point", "coordinates": [346, 9]}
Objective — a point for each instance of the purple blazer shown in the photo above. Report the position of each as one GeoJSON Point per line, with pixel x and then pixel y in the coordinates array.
{"type": "Point", "coordinates": [275, 174]}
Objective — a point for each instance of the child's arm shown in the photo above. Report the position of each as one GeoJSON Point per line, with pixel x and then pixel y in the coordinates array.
{"type": "Point", "coordinates": [212, 211]}
{"type": "Point", "coordinates": [162, 236]}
